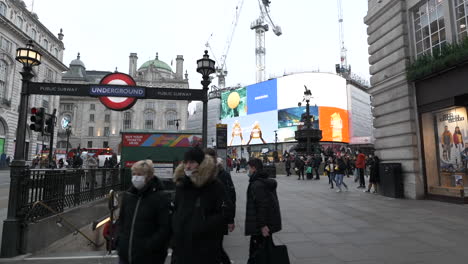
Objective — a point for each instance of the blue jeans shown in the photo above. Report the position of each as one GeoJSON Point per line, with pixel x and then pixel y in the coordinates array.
{"type": "Point", "coordinates": [339, 180]}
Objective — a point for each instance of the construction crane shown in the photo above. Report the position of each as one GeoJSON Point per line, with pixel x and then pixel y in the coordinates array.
{"type": "Point", "coordinates": [343, 68]}
{"type": "Point", "coordinates": [221, 68]}
{"type": "Point", "coordinates": [261, 25]}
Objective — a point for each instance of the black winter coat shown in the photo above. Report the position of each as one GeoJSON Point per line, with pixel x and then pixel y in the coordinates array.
{"type": "Point", "coordinates": [341, 165]}
{"type": "Point", "coordinates": [144, 225]}
{"type": "Point", "coordinates": [262, 205]}
{"type": "Point", "coordinates": [200, 216]}
{"type": "Point", "coordinates": [226, 179]}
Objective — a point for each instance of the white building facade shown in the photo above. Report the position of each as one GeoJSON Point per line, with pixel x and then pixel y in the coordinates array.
{"type": "Point", "coordinates": [95, 126]}
{"type": "Point", "coordinates": [17, 27]}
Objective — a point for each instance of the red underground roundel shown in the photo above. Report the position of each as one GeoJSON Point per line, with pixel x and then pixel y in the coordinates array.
{"type": "Point", "coordinates": [118, 103]}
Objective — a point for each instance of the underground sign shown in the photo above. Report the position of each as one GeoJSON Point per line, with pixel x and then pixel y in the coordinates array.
{"type": "Point", "coordinates": [118, 103]}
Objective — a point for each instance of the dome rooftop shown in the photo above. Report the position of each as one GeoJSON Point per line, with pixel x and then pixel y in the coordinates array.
{"type": "Point", "coordinates": [156, 63]}
{"type": "Point", "coordinates": [77, 62]}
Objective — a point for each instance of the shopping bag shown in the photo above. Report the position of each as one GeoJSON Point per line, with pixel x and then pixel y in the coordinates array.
{"type": "Point", "coordinates": [309, 169]}
{"type": "Point", "coordinates": [270, 253]}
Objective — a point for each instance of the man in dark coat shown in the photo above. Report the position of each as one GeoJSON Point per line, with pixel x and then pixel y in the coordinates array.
{"type": "Point", "coordinates": [201, 210]}
{"type": "Point", "coordinates": [263, 216]}
{"type": "Point", "coordinates": [144, 221]}
{"type": "Point", "coordinates": [225, 178]}
{"type": "Point", "coordinates": [288, 165]}
{"type": "Point", "coordinates": [299, 164]}
{"type": "Point", "coordinates": [317, 161]}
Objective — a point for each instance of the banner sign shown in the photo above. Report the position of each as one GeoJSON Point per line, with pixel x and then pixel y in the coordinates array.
{"type": "Point", "coordinates": [117, 91]}
{"type": "Point", "coordinates": [221, 136]}
{"type": "Point", "coordinates": [160, 140]}
{"type": "Point", "coordinates": [58, 89]}
{"type": "Point", "coordinates": [175, 94]}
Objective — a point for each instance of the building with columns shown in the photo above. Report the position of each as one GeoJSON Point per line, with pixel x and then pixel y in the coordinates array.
{"type": "Point", "coordinates": [95, 126]}
{"type": "Point", "coordinates": [17, 27]}
{"type": "Point", "coordinates": [418, 56]}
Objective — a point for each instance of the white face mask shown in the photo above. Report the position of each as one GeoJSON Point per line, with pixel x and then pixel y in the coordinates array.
{"type": "Point", "coordinates": [138, 181]}
{"type": "Point", "coordinates": [188, 172]}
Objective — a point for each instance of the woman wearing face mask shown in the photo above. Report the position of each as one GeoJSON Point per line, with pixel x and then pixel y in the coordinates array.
{"type": "Point", "coordinates": [144, 221]}
{"type": "Point", "coordinates": [201, 210]}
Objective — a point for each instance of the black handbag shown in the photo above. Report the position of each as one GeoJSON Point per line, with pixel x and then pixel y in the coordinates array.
{"type": "Point", "coordinates": [270, 253]}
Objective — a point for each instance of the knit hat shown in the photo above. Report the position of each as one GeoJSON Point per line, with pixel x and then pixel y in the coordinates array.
{"type": "Point", "coordinates": [194, 154]}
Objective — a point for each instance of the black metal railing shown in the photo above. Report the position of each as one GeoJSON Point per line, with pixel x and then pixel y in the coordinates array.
{"type": "Point", "coordinates": [64, 189]}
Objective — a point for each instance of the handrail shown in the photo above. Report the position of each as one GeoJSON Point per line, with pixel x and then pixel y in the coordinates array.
{"type": "Point", "coordinates": [76, 229]}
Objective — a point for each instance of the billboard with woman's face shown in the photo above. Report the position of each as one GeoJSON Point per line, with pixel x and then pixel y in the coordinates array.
{"type": "Point", "coordinates": [253, 113]}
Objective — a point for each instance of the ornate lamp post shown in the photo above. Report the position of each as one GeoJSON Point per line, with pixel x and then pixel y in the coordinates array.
{"type": "Point", "coordinates": [205, 67]}
{"type": "Point", "coordinates": [68, 130]}
{"type": "Point", "coordinates": [12, 243]}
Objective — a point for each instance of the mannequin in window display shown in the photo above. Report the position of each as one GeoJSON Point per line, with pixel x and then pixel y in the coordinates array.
{"type": "Point", "coordinates": [236, 131]}
{"type": "Point", "coordinates": [447, 143]}
{"type": "Point", "coordinates": [458, 138]}
{"type": "Point", "coordinates": [256, 133]}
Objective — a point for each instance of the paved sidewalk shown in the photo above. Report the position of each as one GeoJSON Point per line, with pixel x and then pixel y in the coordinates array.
{"type": "Point", "coordinates": [322, 226]}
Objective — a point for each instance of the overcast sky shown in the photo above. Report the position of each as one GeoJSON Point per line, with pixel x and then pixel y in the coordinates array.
{"type": "Point", "coordinates": [105, 32]}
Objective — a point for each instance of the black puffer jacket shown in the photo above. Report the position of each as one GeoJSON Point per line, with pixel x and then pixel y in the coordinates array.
{"type": "Point", "coordinates": [226, 179]}
{"type": "Point", "coordinates": [262, 205]}
{"type": "Point", "coordinates": [144, 224]}
{"type": "Point", "coordinates": [200, 216]}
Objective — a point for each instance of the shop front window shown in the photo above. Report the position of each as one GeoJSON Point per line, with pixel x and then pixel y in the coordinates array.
{"type": "Point", "coordinates": [446, 151]}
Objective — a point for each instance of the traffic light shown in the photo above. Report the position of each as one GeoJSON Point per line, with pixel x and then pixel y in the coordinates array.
{"type": "Point", "coordinates": [49, 124]}
{"type": "Point", "coordinates": [37, 119]}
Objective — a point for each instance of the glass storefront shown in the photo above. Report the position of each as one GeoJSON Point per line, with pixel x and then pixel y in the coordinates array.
{"type": "Point", "coordinates": [445, 137]}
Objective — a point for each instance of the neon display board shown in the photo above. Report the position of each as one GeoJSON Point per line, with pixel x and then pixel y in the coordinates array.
{"type": "Point", "coordinates": [254, 112]}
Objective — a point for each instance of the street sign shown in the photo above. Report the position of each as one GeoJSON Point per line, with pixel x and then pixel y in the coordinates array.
{"type": "Point", "coordinates": [113, 102]}
{"type": "Point", "coordinates": [117, 91]}
{"type": "Point", "coordinates": [175, 94]}
{"type": "Point", "coordinates": [221, 136]}
{"type": "Point", "coordinates": [58, 89]}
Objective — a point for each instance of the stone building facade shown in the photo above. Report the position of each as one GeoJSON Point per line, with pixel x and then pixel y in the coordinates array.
{"type": "Point", "coordinates": [95, 126]}
{"type": "Point", "coordinates": [17, 27]}
{"type": "Point", "coordinates": [406, 112]}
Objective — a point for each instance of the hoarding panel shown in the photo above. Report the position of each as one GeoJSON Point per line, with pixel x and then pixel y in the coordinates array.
{"type": "Point", "coordinates": [234, 103]}
{"type": "Point", "coordinates": [261, 97]}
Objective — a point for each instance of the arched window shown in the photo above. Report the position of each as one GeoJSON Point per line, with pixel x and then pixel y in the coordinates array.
{"type": "Point", "coordinates": [46, 44]}
{"type": "Point", "coordinates": [3, 79]}
{"type": "Point", "coordinates": [127, 120]}
{"type": "Point", "coordinates": [149, 119]}
{"type": "Point", "coordinates": [3, 130]}
{"type": "Point", "coordinates": [3, 9]}
{"type": "Point", "coordinates": [19, 22]}
{"type": "Point", "coordinates": [33, 34]}
{"type": "Point", "coordinates": [171, 117]}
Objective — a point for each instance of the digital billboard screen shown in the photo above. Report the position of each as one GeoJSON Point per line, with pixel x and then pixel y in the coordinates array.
{"type": "Point", "coordinates": [254, 112]}
{"type": "Point", "coordinates": [261, 97]}
{"type": "Point", "coordinates": [234, 103]}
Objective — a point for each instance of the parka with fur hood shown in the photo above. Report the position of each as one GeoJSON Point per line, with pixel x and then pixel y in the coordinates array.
{"type": "Point", "coordinates": [199, 217]}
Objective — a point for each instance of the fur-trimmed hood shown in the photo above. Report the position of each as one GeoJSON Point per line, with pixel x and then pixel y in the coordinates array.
{"type": "Point", "coordinates": [205, 173]}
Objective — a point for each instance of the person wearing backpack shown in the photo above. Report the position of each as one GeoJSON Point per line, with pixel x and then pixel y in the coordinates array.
{"type": "Point", "coordinates": [263, 215]}
{"type": "Point", "coordinates": [144, 219]}
{"type": "Point", "coordinates": [201, 210]}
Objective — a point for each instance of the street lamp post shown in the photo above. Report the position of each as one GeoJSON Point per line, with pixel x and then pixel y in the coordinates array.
{"type": "Point", "coordinates": [307, 98]}
{"type": "Point", "coordinates": [205, 67]}
{"type": "Point", "coordinates": [12, 243]}
{"type": "Point", "coordinates": [68, 131]}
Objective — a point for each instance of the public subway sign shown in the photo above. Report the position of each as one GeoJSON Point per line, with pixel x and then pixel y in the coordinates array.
{"type": "Point", "coordinates": [111, 97]}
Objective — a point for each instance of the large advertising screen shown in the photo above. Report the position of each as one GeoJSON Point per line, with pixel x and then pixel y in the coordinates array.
{"type": "Point", "coordinates": [255, 112]}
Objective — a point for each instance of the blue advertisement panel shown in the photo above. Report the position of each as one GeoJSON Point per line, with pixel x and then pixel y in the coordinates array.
{"type": "Point", "coordinates": [295, 116]}
{"type": "Point", "coordinates": [262, 97]}
{"type": "Point", "coordinates": [252, 129]}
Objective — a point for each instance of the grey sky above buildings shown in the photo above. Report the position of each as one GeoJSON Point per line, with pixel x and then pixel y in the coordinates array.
{"type": "Point", "coordinates": [105, 32]}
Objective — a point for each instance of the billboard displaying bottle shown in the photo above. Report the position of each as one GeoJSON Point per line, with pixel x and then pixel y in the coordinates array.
{"type": "Point", "coordinates": [253, 113]}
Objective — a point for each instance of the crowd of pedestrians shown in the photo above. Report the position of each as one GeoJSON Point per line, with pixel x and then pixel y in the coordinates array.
{"type": "Point", "coordinates": [336, 166]}
{"type": "Point", "coordinates": [202, 212]}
